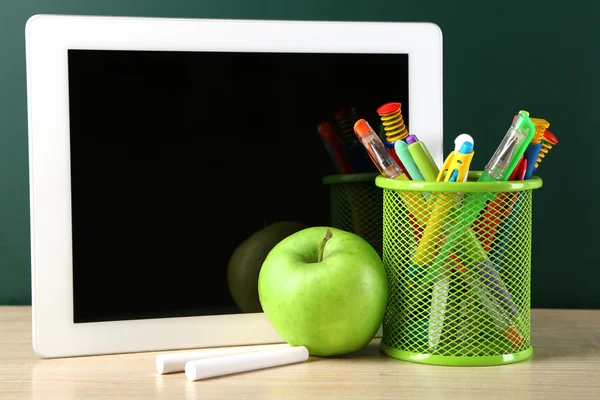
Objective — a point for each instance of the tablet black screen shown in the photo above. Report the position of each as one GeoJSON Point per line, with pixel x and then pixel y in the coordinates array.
{"type": "Point", "coordinates": [178, 157]}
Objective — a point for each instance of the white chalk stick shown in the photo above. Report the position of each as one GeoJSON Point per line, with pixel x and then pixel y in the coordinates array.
{"type": "Point", "coordinates": [211, 367]}
{"type": "Point", "coordinates": [175, 362]}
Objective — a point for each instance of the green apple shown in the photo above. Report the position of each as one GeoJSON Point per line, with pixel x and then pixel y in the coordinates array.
{"type": "Point", "coordinates": [247, 259]}
{"type": "Point", "coordinates": [324, 288]}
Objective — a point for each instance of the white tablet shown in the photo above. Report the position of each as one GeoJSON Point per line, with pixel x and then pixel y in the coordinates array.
{"type": "Point", "coordinates": [157, 146]}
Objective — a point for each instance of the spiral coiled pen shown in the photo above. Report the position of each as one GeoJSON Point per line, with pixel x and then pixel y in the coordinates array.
{"type": "Point", "coordinates": [548, 142]}
{"type": "Point", "coordinates": [393, 123]}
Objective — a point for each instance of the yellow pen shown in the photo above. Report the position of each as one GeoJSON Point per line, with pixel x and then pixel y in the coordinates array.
{"type": "Point", "coordinates": [456, 166]}
{"type": "Point", "coordinates": [454, 169]}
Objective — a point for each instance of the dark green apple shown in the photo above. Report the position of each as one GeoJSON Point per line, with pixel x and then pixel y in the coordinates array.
{"type": "Point", "coordinates": [247, 259]}
{"type": "Point", "coordinates": [324, 288]}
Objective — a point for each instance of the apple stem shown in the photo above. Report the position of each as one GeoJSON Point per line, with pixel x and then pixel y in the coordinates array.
{"type": "Point", "coordinates": [321, 249]}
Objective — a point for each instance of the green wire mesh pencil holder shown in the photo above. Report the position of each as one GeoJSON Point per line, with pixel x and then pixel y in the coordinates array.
{"type": "Point", "coordinates": [356, 206]}
{"type": "Point", "coordinates": [458, 261]}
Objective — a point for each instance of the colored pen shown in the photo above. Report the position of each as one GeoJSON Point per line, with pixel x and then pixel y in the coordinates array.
{"type": "Point", "coordinates": [392, 122]}
{"type": "Point", "coordinates": [333, 145]}
{"type": "Point", "coordinates": [388, 167]}
{"type": "Point", "coordinates": [533, 150]}
{"type": "Point", "coordinates": [422, 158]}
{"type": "Point", "coordinates": [390, 147]}
{"type": "Point", "coordinates": [344, 120]}
{"type": "Point", "coordinates": [497, 253]}
{"type": "Point", "coordinates": [476, 261]}
{"type": "Point", "coordinates": [548, 142]}
{"type": "Point", "coordinates": [455, 168]}
{"type": "Point", "coordinates": [507, 227]}
{"type": "Point", "coordinates": [457, 163]}
{"type": "Point", "coordinates": [512, 147]}
{"type": "Point", "coordinates": [487, 226]}
{"type": "Point", "coordinates": [519, 172]}
{"type": "Point", "coordinates": [384, 162]}
{"type": "Point", "coordinates": [499, 168]}
{"type": "Point", "coordinates": [377, 151]}
{"type": "Point", "coordinates": [409, 164]}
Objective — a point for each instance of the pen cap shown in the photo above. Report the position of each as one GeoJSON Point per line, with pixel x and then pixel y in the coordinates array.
{"type": "Point", "coordinates": [512, 147]}
{"type": "Point", "coordinates": [461, 139]}
{"type": "Point", "coordinates": [540, 127]}
{"type": "Point", "coordinates": [466, 148]}
{"type": "Point", "coordinates": [422, 158]}
{"type": "Point", "coordinates": [411, 139]}
{"type": "Point", "coordinates": [404, 155]}
{"type": "Point", "coordinates": [362, 128]}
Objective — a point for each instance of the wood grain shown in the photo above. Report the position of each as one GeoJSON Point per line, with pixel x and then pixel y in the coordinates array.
{"type": "Point", "coordinates": [566, 364]}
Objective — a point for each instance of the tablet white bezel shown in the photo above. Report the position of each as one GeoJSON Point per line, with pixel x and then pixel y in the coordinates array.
{"type": "Point", "coordinates": [49, 37]}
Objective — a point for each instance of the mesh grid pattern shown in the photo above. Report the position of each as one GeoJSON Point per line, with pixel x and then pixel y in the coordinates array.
{"type": "Point", "coordinates": [357, 207]}
{"type": "Point", "coordinates": [458, 267]}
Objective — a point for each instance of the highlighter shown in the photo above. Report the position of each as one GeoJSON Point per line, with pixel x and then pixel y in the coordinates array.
{"type": "Point", "coordinates": [422, 158]}
{"type": "Point", "coordinates": [409, 164]}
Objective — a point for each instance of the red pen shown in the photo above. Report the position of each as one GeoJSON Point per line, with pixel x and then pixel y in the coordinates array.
{"type": "Point", "coordinates": [519, 173]}
{"type": "Point", "coordinates": [334, 148]}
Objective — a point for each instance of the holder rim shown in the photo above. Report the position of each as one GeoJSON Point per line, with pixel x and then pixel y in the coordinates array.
{"type": "Point", "coordinates": [481, 361]}
{"type": "Point", "coordinates": [350, 178]}
{"type": "Point", "coordinates": [466, 187]}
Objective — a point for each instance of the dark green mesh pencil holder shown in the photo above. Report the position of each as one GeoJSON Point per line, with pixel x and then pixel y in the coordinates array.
{"type": "Point", "coordinates": [458, 261]}
{"type": "Point", "coordinates": [356, 206]}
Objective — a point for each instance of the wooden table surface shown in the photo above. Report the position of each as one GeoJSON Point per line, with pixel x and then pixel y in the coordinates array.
{"type": "Point", "coordinates": [565, 365]}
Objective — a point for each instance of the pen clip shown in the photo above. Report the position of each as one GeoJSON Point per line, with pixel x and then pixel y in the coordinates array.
{"type": "Point", "coordinates": [445, 167]}
{"type": "Point", "coordinates": [456, 167]}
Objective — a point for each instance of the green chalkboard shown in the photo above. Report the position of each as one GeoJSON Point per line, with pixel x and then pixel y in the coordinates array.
{"type": "Point", "coordinates": [499, 57]}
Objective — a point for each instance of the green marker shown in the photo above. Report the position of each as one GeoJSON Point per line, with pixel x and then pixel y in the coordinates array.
{"type": "Point", "coordinates": [422, 158]}
{"type": "Point", "coordinates": [507, 155]}
{"type": "Point", "coordinates": [404, 155]}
